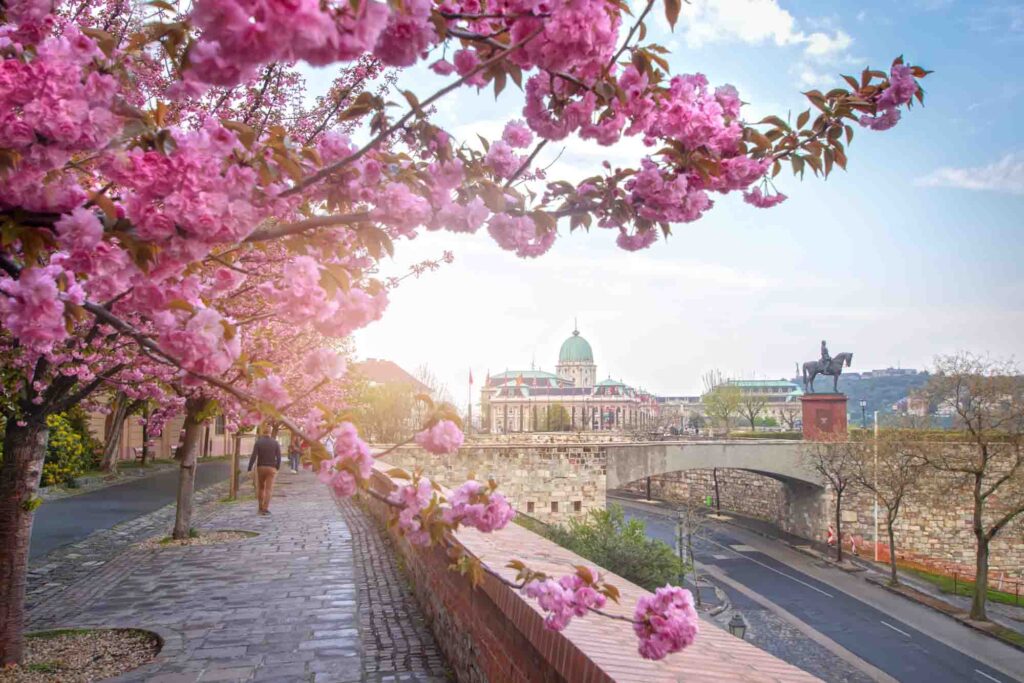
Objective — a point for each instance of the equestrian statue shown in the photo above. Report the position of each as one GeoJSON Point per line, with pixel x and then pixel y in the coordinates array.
{"type": "Point", "coordinates": [826, 365]}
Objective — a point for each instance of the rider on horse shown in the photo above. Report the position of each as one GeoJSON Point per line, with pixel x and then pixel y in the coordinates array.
{"type": "Point", "coordinates": [825, 358]}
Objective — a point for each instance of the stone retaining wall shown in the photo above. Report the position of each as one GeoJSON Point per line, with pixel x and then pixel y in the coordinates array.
{"type": "Point", "coordinates": [493, 633]}
{"type": "Point", "coordinates": [933, 528]}
{"type": "Point", "coordinates": [551, 483]}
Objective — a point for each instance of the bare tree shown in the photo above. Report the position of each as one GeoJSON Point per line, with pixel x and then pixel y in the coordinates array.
{"type": "Point", "coordinates": [438, 389]}
{"type": "Point", "coordinates": [986, 398]}
{"type": "Point", "coordinates": [751, 405]}
{"type": "Point", "coordinates": [836, 462]}
{"type": "Point", "coordinates": [890, 469]}
{"type": "Point", "coordinates": [721, 399]}
{"type": "Point", "coordinates": [788, 418]}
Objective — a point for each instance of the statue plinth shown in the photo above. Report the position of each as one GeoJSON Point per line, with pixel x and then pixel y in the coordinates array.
{"type": "Point", "coordinates": [824, 416]}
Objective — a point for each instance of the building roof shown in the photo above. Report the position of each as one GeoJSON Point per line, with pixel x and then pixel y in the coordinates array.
{"type": "Point", "coordinates": [763, 383]}
{"type": "Point", "coordinates": [380, 371]}
{"type": "Point", "coordinates": [575, 349]}
{"type": "Point", "coordinates": [611, 383]}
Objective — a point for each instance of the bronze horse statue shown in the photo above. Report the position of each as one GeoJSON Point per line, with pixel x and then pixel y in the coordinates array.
{"type": "Point", "coordinates": [813, 368]}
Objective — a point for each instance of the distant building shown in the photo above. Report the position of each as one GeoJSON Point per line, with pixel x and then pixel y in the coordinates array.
{"type": "Point", "coordinates": [379, 372]}
{"type": "Point", "coordinates": [570, 399]}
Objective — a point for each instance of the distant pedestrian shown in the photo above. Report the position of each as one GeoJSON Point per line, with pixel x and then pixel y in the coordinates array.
{"type": "Point", "coordinates": [295, 453]}
{"type": "Point", "coordinates": [266, 456]}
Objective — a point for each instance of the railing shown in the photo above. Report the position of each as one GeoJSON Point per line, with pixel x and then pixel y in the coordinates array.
{"type": "Point", "coordinates": [997, 586]}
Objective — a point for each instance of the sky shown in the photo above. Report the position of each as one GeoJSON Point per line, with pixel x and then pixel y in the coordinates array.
{"type": "Point", "coordinates": [915, 251]}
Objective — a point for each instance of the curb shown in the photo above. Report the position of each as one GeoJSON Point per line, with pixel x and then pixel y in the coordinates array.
{"type": "Point", "coordinates": [908, 593]}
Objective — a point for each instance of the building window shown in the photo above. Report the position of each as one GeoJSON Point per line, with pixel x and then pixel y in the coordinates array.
{"type": "Point", "coordinates": [529, 507]}
{"type": "Point", "coordinates": [577, 506]}
{"type": "Point", "coordinates": [554, 506]}
{"type": "Point", "coordinates": [218, 427]}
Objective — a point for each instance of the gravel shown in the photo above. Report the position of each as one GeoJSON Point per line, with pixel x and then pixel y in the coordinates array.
{"type": "Point", "coordinates": [204, 538]}
{"type": "Point", "coordinates": [79, 656]}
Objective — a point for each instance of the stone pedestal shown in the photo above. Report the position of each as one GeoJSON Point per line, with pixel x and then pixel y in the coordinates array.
{"type": "Point", "coordinates": [824, 416]}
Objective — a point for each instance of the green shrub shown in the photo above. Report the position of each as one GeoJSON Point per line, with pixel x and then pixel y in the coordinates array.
{"type": "Point", "coordinates": [605, 538]}
{"type": "Point", "coordinates": [79, 421]}
{"type": "Point", "coordinates": [65, 452]}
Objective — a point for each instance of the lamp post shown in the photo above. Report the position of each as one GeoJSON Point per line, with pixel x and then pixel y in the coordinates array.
{"type": "Point", "coordinates": [863, 414]}
{"type": "Point", "coordinates": [737, 626]}
{"type": "Point", "coordinates": [876, 486]}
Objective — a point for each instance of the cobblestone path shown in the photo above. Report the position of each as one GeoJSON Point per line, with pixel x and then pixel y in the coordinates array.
{"type": "Point", "coordinates": [283, 606]}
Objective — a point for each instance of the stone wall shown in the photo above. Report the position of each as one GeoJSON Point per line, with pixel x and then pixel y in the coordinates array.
{"type": "Point", "coordinates": [740, 491]}
{"type": "Point", "coordinates": [550, 483]}
{"type": "Point", "coordinates": [933, 529]}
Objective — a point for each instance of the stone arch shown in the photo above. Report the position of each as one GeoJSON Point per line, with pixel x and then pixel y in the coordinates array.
{"type": "Point", "coordinates": [803, 506]}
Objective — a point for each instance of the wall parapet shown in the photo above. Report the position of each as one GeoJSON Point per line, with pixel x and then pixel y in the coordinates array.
{"type": "Point", "coordinates": [494, 633]}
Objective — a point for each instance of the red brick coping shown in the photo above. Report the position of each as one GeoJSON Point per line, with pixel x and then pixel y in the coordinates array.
{"type": "Point", "coordinates": [493, 633]}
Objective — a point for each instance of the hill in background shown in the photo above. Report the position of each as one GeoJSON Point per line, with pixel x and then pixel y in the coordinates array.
{"type": "Point", "coordinates": [880, 393]}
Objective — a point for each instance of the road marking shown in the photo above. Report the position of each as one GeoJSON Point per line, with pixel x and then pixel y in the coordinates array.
{"type": "Point", "coordinates": [872, 671]}
{"type": "Point", "coordinates": [741, 548]}
{"type": "Point", "coordinates": [885, 623]}
{"type": "Point", "coordinates": [791, 578]}
{"type": "Point", "coordinates": [987, 676]}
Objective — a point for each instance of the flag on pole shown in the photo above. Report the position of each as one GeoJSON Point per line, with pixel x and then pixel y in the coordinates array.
{"type": "Point", "coordinates": [471, 376]}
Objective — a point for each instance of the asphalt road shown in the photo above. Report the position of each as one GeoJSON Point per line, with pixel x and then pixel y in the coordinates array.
{"type": "Point", "coordinates": [71, 519]}
{"type": "Point", "coordinates": [876, 637]}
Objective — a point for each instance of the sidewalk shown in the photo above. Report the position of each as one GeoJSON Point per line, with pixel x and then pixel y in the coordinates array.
{"type": "Point", "coordinates": [287, 605]}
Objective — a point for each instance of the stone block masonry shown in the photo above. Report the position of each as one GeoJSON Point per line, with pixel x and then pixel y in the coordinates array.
{"type": "Point", "coordinates": [553, 483]}
{"type": "Point", "coordinates": [933, 528]}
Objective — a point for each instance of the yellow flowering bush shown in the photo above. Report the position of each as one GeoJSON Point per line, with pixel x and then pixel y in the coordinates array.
{"type": "Point", "coordinates": [65, 452]}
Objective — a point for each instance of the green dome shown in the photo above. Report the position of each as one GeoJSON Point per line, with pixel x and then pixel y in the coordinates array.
{"type": "Point", "coordinates": [575, 349]}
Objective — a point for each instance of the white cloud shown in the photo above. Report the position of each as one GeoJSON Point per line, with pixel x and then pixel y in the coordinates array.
{"type": "Point", "coordinates": [1005, 175]}
{"type": "Point", "coordinates": [756, 22]}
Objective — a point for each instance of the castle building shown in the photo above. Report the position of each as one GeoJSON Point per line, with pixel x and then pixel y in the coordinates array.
{"type": "Point", "coordinates": [570, 399]}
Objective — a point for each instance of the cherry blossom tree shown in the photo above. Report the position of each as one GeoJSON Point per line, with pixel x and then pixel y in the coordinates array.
{"type": "Point", "coordinates": [160, 172]}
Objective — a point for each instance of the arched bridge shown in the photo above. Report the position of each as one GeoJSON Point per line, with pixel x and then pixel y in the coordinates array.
{"type": "Point", "coordinates": [782, 460]}
{"type": "Point", "coordinates": [803, 510]}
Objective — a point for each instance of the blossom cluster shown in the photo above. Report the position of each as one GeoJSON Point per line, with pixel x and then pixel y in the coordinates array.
{"type": "Point", "coordinates": [443, 438]}
{"type": "Point", "coordinates": [573, 595]}
{"type": "Point", "coordinates": [665, 622]}
{"type": "Point", "coordinates": [352, 463]}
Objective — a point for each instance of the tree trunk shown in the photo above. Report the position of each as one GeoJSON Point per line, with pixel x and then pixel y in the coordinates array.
{"type": "Point", "coordinates": [113, 433]}
{"type": "Point", "coordinates": [718, 499]}
{"type": "Point", "coordinates": [22, 466]}
{"type": "Point", "coordinates": [186, 456]}
{"type": "Point", "coordinates": [980, 596]}
{"type": "Point", "coordinates": [892, 554]}
{"type": "Point", "coordinates": [839, 527]}
{"type": "Point", "coordinates": [236, 455]}
{"type": "Point", "coordinates": [648, 488]}
{"type": "Point", "coordinates": [145, 437]}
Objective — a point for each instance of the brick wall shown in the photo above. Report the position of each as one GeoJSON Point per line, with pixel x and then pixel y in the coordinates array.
{"type": "Point", "coordinates": [493, 633]}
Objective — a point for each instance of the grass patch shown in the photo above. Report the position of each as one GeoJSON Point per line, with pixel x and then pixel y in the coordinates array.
{"type": "Point", "coordinates": [45, 667]}
{"type": "Point", "coordinates": [966, 588]}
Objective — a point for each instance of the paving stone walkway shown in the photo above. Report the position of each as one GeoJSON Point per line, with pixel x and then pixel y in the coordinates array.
{"type": "Point", "coordinates": [286, 605]}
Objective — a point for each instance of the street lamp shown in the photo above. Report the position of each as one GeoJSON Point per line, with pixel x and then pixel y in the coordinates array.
{"type": "Point", "coordinates": [737, 626]}
{"type": "Point", "coordinates": [863, 414]}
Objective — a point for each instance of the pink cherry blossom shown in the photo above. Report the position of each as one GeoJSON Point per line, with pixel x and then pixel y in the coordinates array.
{"type": "Point", "coordinates": [665, 622]}
{"type": "Point", "coordinates": [270, 389]}
{"type": "Point", "coordinates": [472, 505]}
{"type": "Point", "coordinates": [517, 134]}
{"type": "Point", "coordinates": [565, 598]}
{"type": "Point", "coordinates": [322, 364]}
{"type": "Point", "coordinates": [413, 498]}
{"type": "Point", "coordinates": [80, 230]}
{"type": "Point", "coordinates": [443, 438]}
{"type": "Point", "coordinates": [756, 198]}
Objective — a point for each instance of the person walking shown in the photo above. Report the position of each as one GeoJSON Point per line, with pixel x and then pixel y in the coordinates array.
{"type": "Point", "coordinates": [266, 456]}
{"type": "Point", "coordinates": [295, 453]}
